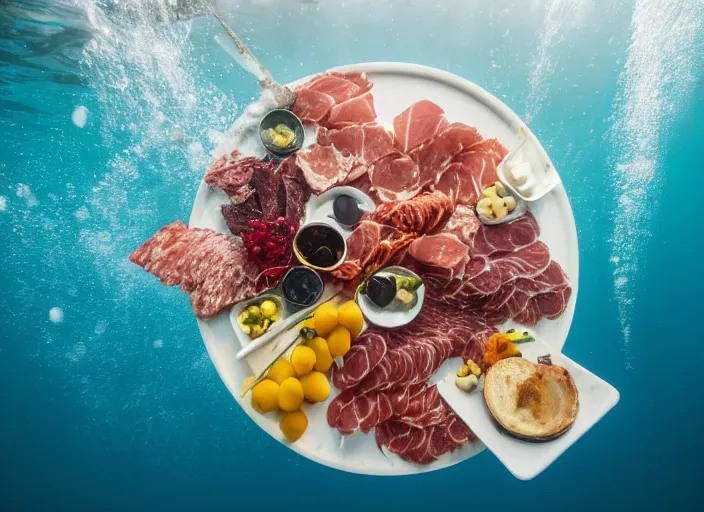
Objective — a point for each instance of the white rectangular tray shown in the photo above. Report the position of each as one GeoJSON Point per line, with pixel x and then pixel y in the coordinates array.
{"type": "Point", "coordinates": [524, 459]}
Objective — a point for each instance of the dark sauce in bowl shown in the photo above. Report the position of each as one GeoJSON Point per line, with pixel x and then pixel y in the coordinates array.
{"type": "Point", "coordinates": [381, 290]}
{"type": "Point", "coordinates": [302, 286]}
{"type": "Point", "coordinates": [320, 245]}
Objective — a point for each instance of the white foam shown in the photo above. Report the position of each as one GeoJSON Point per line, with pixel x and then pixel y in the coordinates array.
{"type": "Point", "coordinates": [158, 344]}
{"type": "Point", "coordinates": [561, 18]}
{"type": "Point", "coordinates": [82, 214]}
{"type": "Point", "coordinates": [3, 203]}
{"type": "Point", "coordinates": [657, 80]}
{"type": "Point", "coordinates": [80, 116]}
{"type": "Point", "coordinates": [56, 315]}
{"type": "Point", "coordinates": [25, 192]}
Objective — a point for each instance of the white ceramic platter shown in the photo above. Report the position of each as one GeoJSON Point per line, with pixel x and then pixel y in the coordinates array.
{"type": "Point", "coordinates": [396, 86]}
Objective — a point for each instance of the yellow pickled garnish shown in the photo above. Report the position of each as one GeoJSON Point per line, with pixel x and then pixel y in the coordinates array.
{"type": "Point", "coordinates": [265, 396]}
{"type": "Point", "coordinates": [290, 395]}
{"type": "Point", "coordinates": [339, 341]}
{"type": "Point", "coordinates": [281, 135]}
{"type": "Point", "coordinates": [473, 368]}
{"type": "Point", "coordinates": [349, 315]}
{"type": "Point", "coordinates": [303, 360]}
{"type": "Point", "coordinates": [463, 371]}
{"type": "Point", "coordinates": [293, 425]}
{"type": "Point", "coordinates": [316, 387]}
{"type": "Point", "coordinates": [268, 308]}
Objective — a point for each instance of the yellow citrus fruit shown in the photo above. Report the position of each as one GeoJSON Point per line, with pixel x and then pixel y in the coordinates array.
{"type": "Point", "coordinates": [303, 360]}
{"type": "Point", "coordinates": [293, 424]}
{"type": "Point", "coordinates": [268, 308]}
{"type": "Point", "coordinates": [290, 395]}
{"type": "Point", "coordinates": [323, 359]}
{"type": "Point", "coordinates": [325, 318]}
{"type": "Point", "coordinates": [265, 396]}
{"type": "Point", "coordinates": [282, 370]}
{"type": "Point", "coordinates": [339, 341]}
{"type": "Point", "coordinates": [316, 387]}
{"type": "Point", "coordinates": [350, 316]}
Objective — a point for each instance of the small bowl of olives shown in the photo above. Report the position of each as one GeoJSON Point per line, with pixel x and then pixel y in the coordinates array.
{"type": "Point", "coordinates": [391, 297]}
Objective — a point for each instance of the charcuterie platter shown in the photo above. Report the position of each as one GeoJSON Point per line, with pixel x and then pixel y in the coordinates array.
{"type": "Point", "coordinates": [338, 278]}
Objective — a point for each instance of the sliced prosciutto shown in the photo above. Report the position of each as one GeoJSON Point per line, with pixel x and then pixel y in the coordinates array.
{"type": "Point", "coordinates": [211, 267]}
{"type": "Point", "coordinates": [366, 352]}
{"type": "Point", "coordinates": [471, 171]}
{"type": "Point", "coordinates": [324, 166]}
{"type": "Point", "coordinates": [434, 156]}
{"type": "Point", "coordinates": [444, 254]}
{"type": "Point", "coordinates": [418, 124]}
{"type": "Point", "coordinates": [354, 111]}
{"type": "Point", "coordinates": [395, 178]}
{"type": "Point", "coordinates": [316, 98]}
{"type": "Point", "coordinates": [367, 142]}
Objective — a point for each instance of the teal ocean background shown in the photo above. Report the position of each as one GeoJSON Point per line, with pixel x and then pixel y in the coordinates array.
{"type": "Point", "coordinates": [108, 114]}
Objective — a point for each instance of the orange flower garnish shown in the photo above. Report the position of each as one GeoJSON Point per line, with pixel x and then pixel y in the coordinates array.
{"type": "Point", "coordinates": [498, 347]}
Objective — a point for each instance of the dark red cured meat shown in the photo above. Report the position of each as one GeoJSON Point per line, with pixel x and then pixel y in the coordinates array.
{"type": "Point", "coordinates": [371, 246]}
{"type": "Point", "coordinates": [437, 153]}
{"type": "Point", "coordinates": [238, 215]}
{"type": "Point", "coordinates": [312, 106]}
{"type": "Point", "coordinates": [423, 214]}
{"type": "Point", "coordinates": [267, 181]}
{"type": "Point", "coordinates": [552, 279]}
{"type": "Point", "coordinates": [506, 237]}
{"type": "Point", "coordinates": [418, 124]}
{"type": "Point", "coordinates": [296, 188]}
{"type": "Point", "coordinates": [366, 352]}
{"type": "Point", "coordinates": [553, 304]}
{"type": "Point", "coordinates": [394, 177]}
{"type": "Point", "coordinates": [425, 410]}
{"type": "Point", "coordinates": [354, 111]}
{"type": "Point", "coordinates": [349, 413]}
{"type": "Point", "coordinates": [229, 173]}
{"type": "Point", "coordinates": [212, 267]}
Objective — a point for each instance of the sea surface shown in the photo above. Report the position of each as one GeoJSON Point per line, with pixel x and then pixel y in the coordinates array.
{"type": "Point", "coordinates": [108, 114]}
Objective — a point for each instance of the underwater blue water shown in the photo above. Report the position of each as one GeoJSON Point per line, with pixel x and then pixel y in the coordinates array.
{"type": "Point", "coordinates": [110, 402]}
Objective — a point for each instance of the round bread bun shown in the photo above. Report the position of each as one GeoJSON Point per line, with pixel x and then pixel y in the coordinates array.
{"type": "Point", "coordinates": [531, 401]}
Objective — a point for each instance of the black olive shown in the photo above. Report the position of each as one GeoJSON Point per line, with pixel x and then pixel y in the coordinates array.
{"type": "Point", "coordinates": [346, 210]}
{"type": "Point", "coordinates": [381, 290]}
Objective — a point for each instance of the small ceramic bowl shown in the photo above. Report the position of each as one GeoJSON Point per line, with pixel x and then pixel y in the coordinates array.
{"type": "Point", "coordinates": [274, 118]}
{"type": "Point", "coordinates": [392, 316]}
{"type": "Point", "coordinates": [333, 232]}
{"type": "Point", "coordinates": [291, 301]}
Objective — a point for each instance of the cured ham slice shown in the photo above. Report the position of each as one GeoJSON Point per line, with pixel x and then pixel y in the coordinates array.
{"type": "Point", "coordinates": [464, 224]}
{"type": "Point", "coordinates": [363, 356]}
{"type": "Point", "coordinates": [444, 254]}
{"type": "Point", "coordinates": [434, 156]}
{"type": "Point", "coordinates": [367, 142]}
{"type": "Point", "coordinates": [238, 215]}
{"type": "Point", "coordinates": [316, 98]}
{"type": "Point", "coordinates": [471, 171]}
{"type": "Point", "coordinates": [324, 166]}
{"type": "Point", "coordinates": [395, 178]}
{"type": "Point", "coordinates": [297, 190]}
{"type": "Point", "coordinates": [231, 173]}
{"type": "Point", "coordinates": [354, 111]}
{"type": "Point", "coordinates": [423, 214]}
{"type": "Point", "coordinates": [418, 124]}
{"type": "Point", "coordinates": [211, 267]}
{"type": "Point", "coordinates": [312, 106]}
{"type": "Point", "coordinates": [349, 413]}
